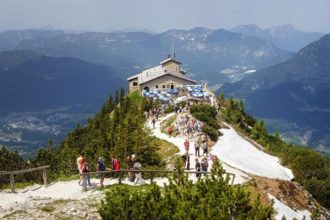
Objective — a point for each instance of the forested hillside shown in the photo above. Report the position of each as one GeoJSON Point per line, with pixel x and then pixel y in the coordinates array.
{"type": "Point", "coordinates": [309, 168]}
{"type": "Point", "coordinates": [117, 129]}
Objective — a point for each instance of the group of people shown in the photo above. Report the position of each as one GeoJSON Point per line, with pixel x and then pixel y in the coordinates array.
{"type": "Point", "coordinates": [83, 168]}
{"type": "Point", "coordinates": [134, 165]}
{"type": "Point", "coordinates": [186, 126]}
{"type": "Point", "coordinates": [154, 114]}
{"type": "Point", "coordinates": [199, 166]}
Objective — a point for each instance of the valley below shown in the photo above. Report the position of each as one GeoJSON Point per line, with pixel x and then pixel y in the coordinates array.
{"type": "Point", "coordinates": [28, 131]}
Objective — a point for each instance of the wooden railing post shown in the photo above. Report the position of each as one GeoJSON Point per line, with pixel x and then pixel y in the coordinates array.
{"type": "Point", "coordinates": [151, 177]}
{"type": "Point", "coordinates": [120, 175]}
{"type": "Point", "coordinates": [44, 176]}
{"type": "Point", "coordinates": [12, 183]}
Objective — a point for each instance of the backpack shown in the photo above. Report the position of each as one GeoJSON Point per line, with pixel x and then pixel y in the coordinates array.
{"type": "Point", "coordinates": [204, 165]}
{"type": "Point", "coordinates": [85, 168]}
{"type": "Point", "coordinates": [137, 166]}
{"type": "Point", "coordinates": [101, 167]}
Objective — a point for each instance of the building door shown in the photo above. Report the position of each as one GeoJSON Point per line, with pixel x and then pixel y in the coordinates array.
{"type": "Point", "coordinates": [172, 86]}
{"type": "Point", "coordinates": [146, 88]}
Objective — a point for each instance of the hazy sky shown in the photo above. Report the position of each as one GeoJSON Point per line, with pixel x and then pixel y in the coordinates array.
{"type": "Point", "coordinates": [160, 15]}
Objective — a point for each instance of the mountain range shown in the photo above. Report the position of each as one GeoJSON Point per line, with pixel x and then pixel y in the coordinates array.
{"type": "Point", "coordinates": [205, 53]}
{"type": "Point", "coordinates": [45, 97]}
{"type": "Point", "coordinates": [294, 93]}
{"type": "Point", "coordinates": [57, 77]}
{"type": "Point", "coordinates": [34, 82]}
{"type": "Point", "coordinates": [283, 36]}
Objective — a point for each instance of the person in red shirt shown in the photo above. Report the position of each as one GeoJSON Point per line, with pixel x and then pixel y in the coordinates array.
{"type": "Point", "coordinates": [115, 163]}
{"type": "Point", "coordinates": [186, 145]}
{"type": "Point", "coordinates": [115, 166]}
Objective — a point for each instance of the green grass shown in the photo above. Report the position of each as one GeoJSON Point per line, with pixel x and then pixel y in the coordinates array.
{"type": "Point", "coordinates": [68, 178]}
{"type": "Point", "coordinates": [48, 208]}
{"type": "Point", "coordinates": [130, 188]}
{"type": "Point", "coordinates": [11, 215]}
{"type": "Point", "coordinates": [19, 185]}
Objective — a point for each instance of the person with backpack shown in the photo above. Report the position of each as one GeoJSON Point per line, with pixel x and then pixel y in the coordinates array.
{"type": "Point", "coordinates": [79, 159]}
{"type": "Point", "coordinates": [138, 176]}
{"type": "Point", "coordinates": [204, 165]}
{"type": "Point", "coordinates": [101, 167]}
{"type": "Point", "coordinates": [85, 178]}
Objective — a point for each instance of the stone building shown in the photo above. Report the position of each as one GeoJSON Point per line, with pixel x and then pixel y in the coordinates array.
{"type": "Point", "coordinates": [168, 75]}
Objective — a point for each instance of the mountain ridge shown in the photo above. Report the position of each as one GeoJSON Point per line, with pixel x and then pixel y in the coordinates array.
{"type": "Point", "coordinates": [213, 50]}
{"type": "Point", "coordinates": [284, 36]}
{"type": "Point", "coordinates": [295, 90]}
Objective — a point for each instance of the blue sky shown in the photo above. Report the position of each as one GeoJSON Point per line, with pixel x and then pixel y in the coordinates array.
{"type": "Point", "coordinates": [161, 15]}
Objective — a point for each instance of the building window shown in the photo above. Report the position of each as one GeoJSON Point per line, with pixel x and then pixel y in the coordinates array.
{"type": "Point", "coordinates": [164, 86]}
{"type": "Point", "coordinates": [135, 84]}
{"type": "Point", "coordinates": [156, 86]}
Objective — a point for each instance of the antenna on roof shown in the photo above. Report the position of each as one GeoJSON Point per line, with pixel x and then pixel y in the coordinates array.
{"type": "Point", "coordinates": [173, 49]}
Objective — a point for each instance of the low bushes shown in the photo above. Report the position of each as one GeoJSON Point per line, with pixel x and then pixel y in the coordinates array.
{"type": "Point", "coordinates": [210, 198]}
{"type": "Point", "coordinates": [207, 114]}
{"type": "Point", "coordinates": [211, 132]}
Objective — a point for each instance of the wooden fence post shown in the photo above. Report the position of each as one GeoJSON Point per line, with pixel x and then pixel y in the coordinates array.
{"type": "Point", "coordinates": [44, 176]}
{"type": "Point", "coordinates": [151, 177]}
{"type": "Point", "coordinates": [119, 179]}
{"type": "Point", "coordinates": [12, 183]}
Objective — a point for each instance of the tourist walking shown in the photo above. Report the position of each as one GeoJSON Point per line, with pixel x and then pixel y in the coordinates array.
{"type": "Point", "coordinates": [130, 164]}
{"type": "Point", "coordinates": [101, 167]}
{"type": "Point", "coordinates": [186, 145]}
{"type": "Point", "coordinates": [79, 159]}
{"type": "Point", "coordinates": [204, 165]}
{"type": "Point", "coordinates": [115, 165]}
{"type": "Point", "coordinates": [197, 153]}
{"type": "Point", "coordinates": [138, 176]}
{"type": "Point", "coordinates": [197, 168]}
{"type": "Point", "coordinates": [204, 146]}
{"type": "Point", "coordinates": [85, 178]}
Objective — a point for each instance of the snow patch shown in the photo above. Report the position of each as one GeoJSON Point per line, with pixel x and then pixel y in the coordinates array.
{"type": "Point", "coordinates": [284, 210]}
{"type": "Point", "coordinates": [250, 71]}
{"type": "Point", "coordinates": [239, 153]}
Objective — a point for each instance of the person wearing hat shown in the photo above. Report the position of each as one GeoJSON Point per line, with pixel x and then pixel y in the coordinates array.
{"type": "Point", "coordinates": [101, 167]}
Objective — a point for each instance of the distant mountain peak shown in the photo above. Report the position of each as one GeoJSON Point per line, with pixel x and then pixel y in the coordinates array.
{"type": "Point", "coordinates": [284, 36]}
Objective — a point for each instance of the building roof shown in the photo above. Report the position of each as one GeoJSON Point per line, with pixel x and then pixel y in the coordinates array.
{"type": "Point", "coordinates": [168, 60]}
{"type": "Point", "coordinates": [159, 71]}
{"type": "Point", "coordinates": [156, 72]}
